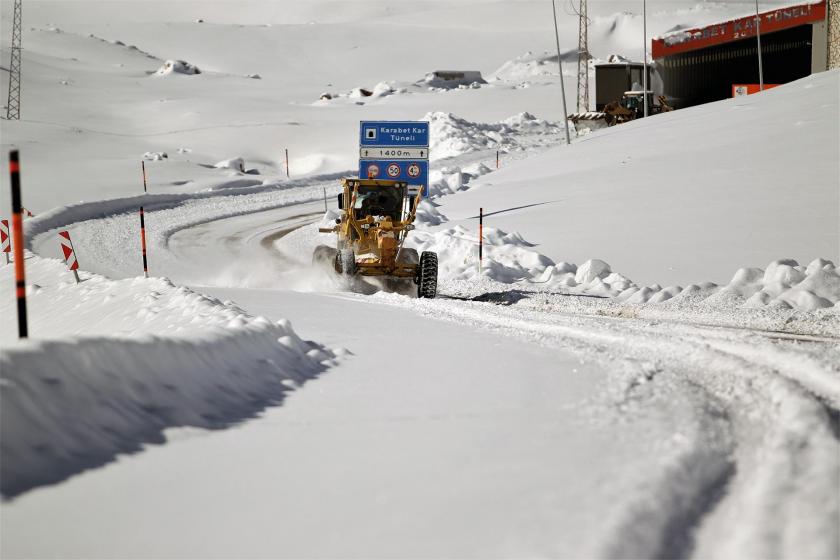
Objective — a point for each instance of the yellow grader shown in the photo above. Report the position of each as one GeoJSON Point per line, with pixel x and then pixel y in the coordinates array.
{"type": "Point", "coordinates": [376, 217]}
{"type": "Point", "coordinates": [631, 107]}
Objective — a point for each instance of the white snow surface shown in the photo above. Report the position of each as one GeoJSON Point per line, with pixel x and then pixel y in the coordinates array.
{"type": "Point", "coordinates": [684, 197]}
{"type": "Point", "coordinates": [137, 356]}
{"type": "Point", "coordinates": [651, 336]}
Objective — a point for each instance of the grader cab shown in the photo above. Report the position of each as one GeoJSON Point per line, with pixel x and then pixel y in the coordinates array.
{"type": "Point", "coordinates": [376, 218]}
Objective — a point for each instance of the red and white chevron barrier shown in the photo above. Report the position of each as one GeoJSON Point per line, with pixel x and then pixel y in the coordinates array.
{"type": "Point", "coordinates": [69, 253]}
{"type": "Point", "coordinates": [5, 240]}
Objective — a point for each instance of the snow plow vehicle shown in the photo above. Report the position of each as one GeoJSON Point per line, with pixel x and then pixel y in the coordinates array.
{"type": "Point", "coordinates": [631, 106]}
{"type": "Point", "coordinates": [376, 218]}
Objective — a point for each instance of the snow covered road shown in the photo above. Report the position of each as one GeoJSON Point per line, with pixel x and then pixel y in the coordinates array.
{"type": "Point", "coordinates": [467, 428]}
{"type": "Point", "coordinates": [472, 448]}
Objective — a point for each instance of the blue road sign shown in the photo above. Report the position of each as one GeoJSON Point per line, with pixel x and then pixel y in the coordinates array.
{"type": "Point", "coordinates": [412, 172]}
{"type": "Point", "coordinates": [394, 133]}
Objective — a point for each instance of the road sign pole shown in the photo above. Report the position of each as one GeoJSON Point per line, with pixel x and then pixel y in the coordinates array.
{"type": "Point", "coordinates": [644, 60]}
{"type": "Point", "coordinates": [758, 38]}
{"type": "Point", "coordinates": [560, 65]}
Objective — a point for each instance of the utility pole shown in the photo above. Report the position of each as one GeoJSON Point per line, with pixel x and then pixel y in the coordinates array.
{"type": "Point", "coordinates": [583, 60]}
{"type": "Point", "coordinates": [560, 66]}
{"type": "Point", "coordinates": [645, 66]}
{"type": "Point", "coordinates": [758, 36]}
{"type": "Point", "coordinates": [13, 104]}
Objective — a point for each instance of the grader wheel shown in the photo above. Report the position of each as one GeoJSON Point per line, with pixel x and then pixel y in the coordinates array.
{"type": "Point", "coordinates": [345, 262]}
{"type": "Point", "coordinates": [427, 273]}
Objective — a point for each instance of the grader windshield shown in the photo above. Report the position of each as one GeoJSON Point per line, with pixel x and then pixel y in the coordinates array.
{"type": "Point", "coordinates": [380, 200]}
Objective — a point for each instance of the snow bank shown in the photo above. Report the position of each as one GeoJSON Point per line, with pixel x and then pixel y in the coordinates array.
{"type": "Point", "coordinates": [529, 66]}
{"type": "Point", "coordinates": [785, 284]}
{"type": "Point", "coordinates": [381, 89]}
{"type": "Point", "coordinates": [450, 79]}
{"type": "Point", "coordinates": [155, 156]}
{"type": "Point", "coordinates": [63, 216]}
{"type": "Point", "coordinates": [171, 67]}
{"type": "Point", "coordinates": [428, 213]}
{"type": "Point", "coordinates": [236, 163]}
{"type": "Point", "coordinates": [143, 355]}
{"type": "Point", "coordinates": [506, 256]}
{"type": "Point", "coordinates": [451, 179]}
{"type": "Point", "coordinates": [453, 136]}
{"type": "Point", "coordinates": [509, 259]}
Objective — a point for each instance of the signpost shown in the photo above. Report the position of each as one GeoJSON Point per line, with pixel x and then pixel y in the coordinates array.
{"type": "Point", "coordinates": [395, 150]}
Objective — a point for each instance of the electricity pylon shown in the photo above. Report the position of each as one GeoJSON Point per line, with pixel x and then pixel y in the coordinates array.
{"type": "Point", "coordinates": [583, 60]}
{"type": "Point", "coordinates": [13, 105]}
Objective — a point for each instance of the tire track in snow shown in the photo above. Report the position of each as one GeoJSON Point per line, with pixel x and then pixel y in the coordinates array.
{"type": "Point", "coordinates": [782, 419]}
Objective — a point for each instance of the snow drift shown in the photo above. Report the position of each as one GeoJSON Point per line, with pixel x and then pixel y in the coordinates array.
{"type": "Point", "coordinates": [454, 136]}
{"type": "Point", "coordinates": [529, 66]}
{"type": "Point", "coordinates": [510, 259]}
{"type": "Point", "coordinates": [149, 356]}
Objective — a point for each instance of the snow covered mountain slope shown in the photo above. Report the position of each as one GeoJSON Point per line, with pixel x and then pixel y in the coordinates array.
{"type": "Point", "coordinates": [93, 104]}
{"type": "Point", "coordinates": [549, 405]}
{"type": "Point", "coordinates": [682, 197]}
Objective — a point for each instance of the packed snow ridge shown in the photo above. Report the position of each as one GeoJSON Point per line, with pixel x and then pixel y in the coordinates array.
{"type": "Point", "coordinates": [510, 259]}
{"type": "Point", "coordinates": [454, 136]}
{"type": "Point", "coordinates": [141, 355]}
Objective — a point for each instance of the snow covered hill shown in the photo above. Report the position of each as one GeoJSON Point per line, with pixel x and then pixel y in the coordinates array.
{"type": "Point", "coordinates": [682, 197]}
{"type": "Point", "coordinates": [645, 365]}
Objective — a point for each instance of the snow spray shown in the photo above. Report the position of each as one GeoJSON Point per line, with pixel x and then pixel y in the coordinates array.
{"type": "Point", "coordinates": [480, 237]}
{"type": "Point", "coordinates": [143, 226]}
{"type": "Point", "coordinates": [5, 240]}
{"type": "Point", "coordinates": [17, 229]}
{"type": "Point", "coordinates": [69, 253]}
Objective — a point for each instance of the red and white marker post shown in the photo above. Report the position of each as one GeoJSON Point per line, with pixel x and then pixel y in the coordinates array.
{"type": "Point", "coordinates": [5, 239]}
{"type": "Point", "coordinates": [143, 226]}
{"type": "Point", "coordinates": [497, 159]}
{"type": "Point", "coordinates": [69, 253]}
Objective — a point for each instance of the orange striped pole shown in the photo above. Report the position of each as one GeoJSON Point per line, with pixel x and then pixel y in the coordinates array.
{"type": "Point", "coordinates": [143, 226]}
{"type": "Point", "coordinates": [17, 237]}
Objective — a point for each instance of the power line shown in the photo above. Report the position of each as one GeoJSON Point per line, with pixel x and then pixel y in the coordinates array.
{"type": "Point", "coordinates": [13, 104]}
